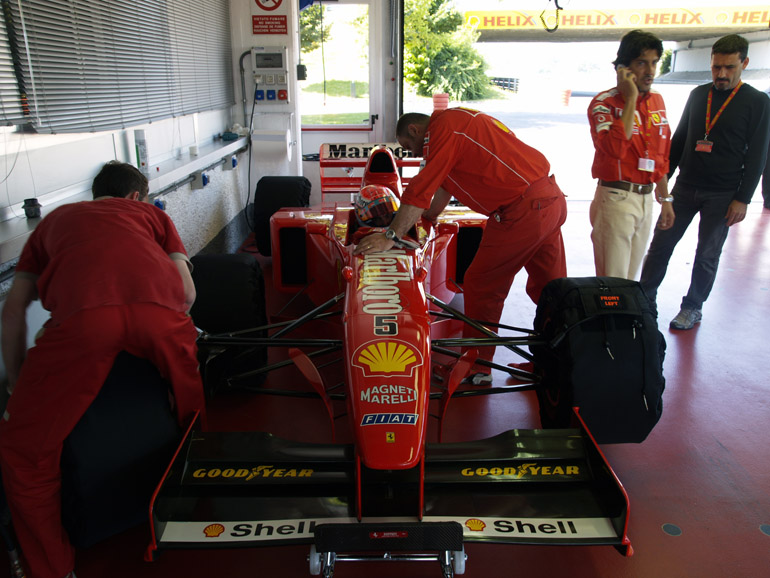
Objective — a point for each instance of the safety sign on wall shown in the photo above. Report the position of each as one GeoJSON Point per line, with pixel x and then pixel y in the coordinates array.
{"type": "Point", "coordinates": [269, 17]}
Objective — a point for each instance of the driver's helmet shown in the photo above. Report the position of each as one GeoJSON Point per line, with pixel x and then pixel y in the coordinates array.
{"type": "Point", "coordinates": [375, 206]}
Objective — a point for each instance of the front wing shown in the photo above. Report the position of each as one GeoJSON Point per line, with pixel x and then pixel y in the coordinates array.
{"type": "Point", "coordinates": [245, 489]}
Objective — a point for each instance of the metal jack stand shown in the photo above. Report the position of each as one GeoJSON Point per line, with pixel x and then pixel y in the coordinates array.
{"type": "Point", "coordinates": [440, 542]}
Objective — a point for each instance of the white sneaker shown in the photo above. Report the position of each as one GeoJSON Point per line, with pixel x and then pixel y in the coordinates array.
{"type": "Point", "coordinates": [479, 379]}
{"type": "Point", "coordinates": [686, 319]}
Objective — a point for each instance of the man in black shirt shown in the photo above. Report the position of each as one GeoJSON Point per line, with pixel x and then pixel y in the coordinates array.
{"type": "Point", "coordinates": [720, 147]}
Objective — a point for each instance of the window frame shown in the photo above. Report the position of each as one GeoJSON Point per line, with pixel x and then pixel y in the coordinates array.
{"type": "Point", "coordinates": [373, 79]}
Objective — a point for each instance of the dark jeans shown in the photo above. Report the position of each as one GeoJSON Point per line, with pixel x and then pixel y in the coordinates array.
{"type": "Point", "coordinates": [712, 233]}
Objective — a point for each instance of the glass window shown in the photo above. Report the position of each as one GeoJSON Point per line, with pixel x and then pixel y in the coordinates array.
{"type": "Point", "coordinates": [335, 50]}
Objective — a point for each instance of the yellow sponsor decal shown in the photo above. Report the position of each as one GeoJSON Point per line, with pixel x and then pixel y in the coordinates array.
{"type": "Point", "coordinates": [532, 470]}
{"type": "Point", "coordinates": [475, 525]}
{"type": "Point", "coordinates": [380, 278]}
{"type": "Point", "coordinates": [501, 126]}
{"type": "Point", "coordinates": [246, 474]}
{"type": "Point", "coordinates": [387, 358]}
{"type": "Point", "coordinates": [664, 17]}
{"type": "Point", "coordinates": [213, 530]}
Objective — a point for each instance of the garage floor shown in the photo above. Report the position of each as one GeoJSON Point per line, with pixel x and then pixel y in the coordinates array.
{"type": "Point", "coordinates": [698, 486]}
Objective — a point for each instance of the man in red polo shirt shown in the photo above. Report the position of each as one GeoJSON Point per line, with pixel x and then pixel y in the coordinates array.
{"type": "Point", "coordinates": [632, 139]}
{"type": "Point", "coordinates": [114, 275]}
{"type": "Point", "coordinates": [478, 160]}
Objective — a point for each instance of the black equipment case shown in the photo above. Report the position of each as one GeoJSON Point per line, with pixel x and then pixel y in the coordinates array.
{"type": "Point", "coordinates": [113, 459]}
{"type": "Point", "coordinates": [230, 299]}
{"type": "Point", "coordinates": [603, 353]}
{"type": "Point", "coordinates": [230, 292]}
{"type": "Point", "coordinates": [272, 194]}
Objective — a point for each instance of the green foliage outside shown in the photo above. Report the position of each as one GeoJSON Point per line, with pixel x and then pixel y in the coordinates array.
{"type": "Point", "coordinates": [310, 26]}
{"type": "Point", "coordinates": [664, 66]}
{"type": "Point", "coordinates": [351, 118]}
{"type": "Point", "coordinates": [340, 88]}
{"type": "Point", "coordinates": [439, 54]}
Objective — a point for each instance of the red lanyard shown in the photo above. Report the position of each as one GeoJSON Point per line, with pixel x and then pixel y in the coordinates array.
{"type": "Point", "coordinates": [710, 123]}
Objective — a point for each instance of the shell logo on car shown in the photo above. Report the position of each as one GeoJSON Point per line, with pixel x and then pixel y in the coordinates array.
{"type": "Point", "coordinates": [475, 525]}
{"type": "Point", "coordinates": [387, 358]}
{"type": "Point", "coordinates": [213, 530]}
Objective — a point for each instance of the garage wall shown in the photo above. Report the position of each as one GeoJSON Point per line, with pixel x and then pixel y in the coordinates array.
{"type": "Point", "coordinates": [695, 56]}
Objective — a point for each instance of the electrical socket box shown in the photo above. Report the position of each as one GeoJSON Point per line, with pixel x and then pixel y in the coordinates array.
{"type": "Point", "coordinates": [200, 180]}
{"type": "Point", "coordinates": [230, 163]}
{"type": "Point", "coordinates": [270, 69]}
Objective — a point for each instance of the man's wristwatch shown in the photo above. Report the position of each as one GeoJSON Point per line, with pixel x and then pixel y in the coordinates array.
{"type": "Point", "coordinates": [390, 234]}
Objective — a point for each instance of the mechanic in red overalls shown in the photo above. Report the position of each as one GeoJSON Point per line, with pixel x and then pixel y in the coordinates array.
{"type": "Point", "coordinates": [114, 275]}
{"type": "Point", "coordinates": [478, 160]}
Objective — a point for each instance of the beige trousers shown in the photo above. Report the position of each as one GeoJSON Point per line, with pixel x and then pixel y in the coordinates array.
{"type": "Point", "coordinates": [621, 223]}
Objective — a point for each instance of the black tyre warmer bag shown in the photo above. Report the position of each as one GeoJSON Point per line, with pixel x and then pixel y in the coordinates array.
{"type": "Point", "coordinates": [230, 297]}
{"type": "Point", "coordinates": [603, 353]}
{"type": "Point", "coordinates": [272, 194]}
{"type": "Point", "coordinates": [115, 456]}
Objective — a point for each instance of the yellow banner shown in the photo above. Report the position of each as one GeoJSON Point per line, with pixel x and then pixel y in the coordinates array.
{"type": "Point", "coordinates": [727, 17]}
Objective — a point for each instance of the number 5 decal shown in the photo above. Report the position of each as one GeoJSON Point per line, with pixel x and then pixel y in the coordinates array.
{"type": "Point", "coordinates": [385, 325]}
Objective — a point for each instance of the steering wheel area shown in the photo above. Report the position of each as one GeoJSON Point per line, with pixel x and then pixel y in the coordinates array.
{"type": "Point", "coordinates": [403, 243]}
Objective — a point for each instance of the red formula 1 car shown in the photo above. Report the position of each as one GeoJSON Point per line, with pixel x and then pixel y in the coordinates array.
{"type": "Point", "coordinates": [390, 490]}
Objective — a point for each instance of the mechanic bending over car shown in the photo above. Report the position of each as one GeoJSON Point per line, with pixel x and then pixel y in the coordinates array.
{"type": "Point", "coordinates": [115, 276]}
{"type": "Point", "coordinates": [478, 160]}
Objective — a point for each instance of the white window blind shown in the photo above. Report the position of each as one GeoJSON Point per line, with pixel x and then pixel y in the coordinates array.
{"type": "Point", "coordinates": [10, 99]}
{"type": "Point", "coordinates": [94, 65]}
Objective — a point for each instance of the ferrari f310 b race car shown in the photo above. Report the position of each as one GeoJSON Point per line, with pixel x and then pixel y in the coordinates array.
{"type": "Point", "coordinates": [389, 490]}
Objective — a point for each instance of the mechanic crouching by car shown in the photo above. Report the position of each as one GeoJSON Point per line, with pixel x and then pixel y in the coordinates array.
{"type": "Point", "coordinates": [475, 158]}
{"type": "Point", "coordinates": [115, 277]}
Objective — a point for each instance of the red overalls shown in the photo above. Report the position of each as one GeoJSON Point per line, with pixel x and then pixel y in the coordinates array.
{"type": "Point", "coordinates": [105, 274]}
{"type": "Point", "coordinates": [484, 165]}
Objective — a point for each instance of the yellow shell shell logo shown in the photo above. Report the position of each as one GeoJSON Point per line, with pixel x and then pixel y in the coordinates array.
{"type": "Point", "coordinates": [213, 530]}
{"type": "Point", "coordinates": [387, 357]}
{"type": "Point", "coordinates": [501, 126]}
{"type": "Point", "coordinates": [475, 525]}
